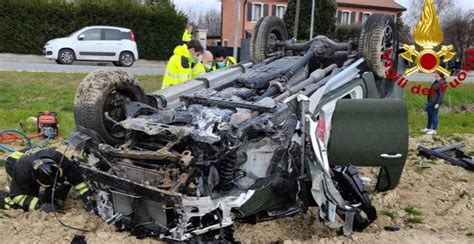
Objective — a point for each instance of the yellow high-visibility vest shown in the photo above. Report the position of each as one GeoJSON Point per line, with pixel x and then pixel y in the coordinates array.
{"type": "Point", "coordinates": [179, 67]}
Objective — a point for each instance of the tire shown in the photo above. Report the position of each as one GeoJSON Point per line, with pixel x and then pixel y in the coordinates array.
{"type": "Point", "coordinates": [267, 30]}
{"type": "Point", "coordinates": [126, 59]}
{"type": "Point", "coordinates": [116, 63]}
{"type": "Point", "coordinates": [104, 91]}
{"type": "Point", "coordinates": [378, 35]}
{"type": "Point", "coordinates": [66, 56]}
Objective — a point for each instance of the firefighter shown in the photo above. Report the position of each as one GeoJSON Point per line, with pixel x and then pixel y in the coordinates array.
{"type": "Point", "coordinates": [205, 66]}
{"type": "Point", "coordinates": [188, 33]}
{"type": "Point", "coordinates": [180, 65]}
{"type": "Point", "coordinates": [29, 171]}
{"type": "Point", "coordinates": [222, 60]}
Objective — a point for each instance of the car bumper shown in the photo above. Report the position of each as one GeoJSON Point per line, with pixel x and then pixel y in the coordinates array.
{"type": "Point", "coordinates": [49, 53]}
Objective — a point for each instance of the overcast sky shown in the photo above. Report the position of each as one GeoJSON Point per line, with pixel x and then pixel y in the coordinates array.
{"type": "Point", "coordinates": [207, 4]}
{"type": "Point", "coordinates": [467, 4]}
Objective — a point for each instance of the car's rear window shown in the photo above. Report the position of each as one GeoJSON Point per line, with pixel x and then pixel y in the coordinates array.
{"type": "Point", "coordinates": [113, 35]}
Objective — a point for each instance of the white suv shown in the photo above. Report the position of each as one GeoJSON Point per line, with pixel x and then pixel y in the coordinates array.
{"type": "Point", "coordinates": [94, 43]}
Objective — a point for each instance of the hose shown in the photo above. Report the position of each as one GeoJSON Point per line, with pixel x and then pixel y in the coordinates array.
{"type": "Point", "coordinates": [10, 150]}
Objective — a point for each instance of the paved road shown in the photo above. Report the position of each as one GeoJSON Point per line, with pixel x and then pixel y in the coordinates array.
{"type": "Point", "coordinates": [430, 77]}
{"type": "Point", "coordinates": [32, 63]}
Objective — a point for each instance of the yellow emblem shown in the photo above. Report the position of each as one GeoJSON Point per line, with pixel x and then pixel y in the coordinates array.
{"type": "Point", "coordinates": [428, 35]}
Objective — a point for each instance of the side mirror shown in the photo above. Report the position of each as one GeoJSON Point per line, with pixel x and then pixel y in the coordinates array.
{"type": "Point", "coordinates": [80, 37]}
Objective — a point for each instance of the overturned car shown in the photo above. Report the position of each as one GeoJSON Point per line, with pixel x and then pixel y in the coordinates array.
{"type": "Point", "coordinates": [249, 143]}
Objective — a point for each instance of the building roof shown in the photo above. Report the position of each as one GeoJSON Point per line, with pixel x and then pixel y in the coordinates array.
{"type": "Point", "coordinates": [381, 4]}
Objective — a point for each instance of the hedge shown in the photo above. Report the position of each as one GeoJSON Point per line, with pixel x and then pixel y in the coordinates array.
{"type": "Point", "coordinates": [26, 25]}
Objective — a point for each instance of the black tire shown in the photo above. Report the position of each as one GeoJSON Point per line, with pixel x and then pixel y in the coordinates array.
{"type": "Point", "coordinates": [126, 59]}
{"type": "Point", "coordinates": [116, 63]}
{"type": "Point", "coordinates": [378, 35]}
{"type": "Point", "coordinates": [267, 30]}
{"type": "Point", "coordinates": [66, 56]}
{"type": "Point", "coordinates": [104, 91]}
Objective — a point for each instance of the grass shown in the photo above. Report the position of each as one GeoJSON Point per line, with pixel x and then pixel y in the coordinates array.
{"type": "Point", "coordinates": [450, 123]}
{"type": "Point", "coordinates": [389, 213]}
{"type": "Point", "coordinates": [412, 211]}
{"type": "Point", "coordinates": [24, 94]}
{"type": "Point", "coordinates": [415, 220]}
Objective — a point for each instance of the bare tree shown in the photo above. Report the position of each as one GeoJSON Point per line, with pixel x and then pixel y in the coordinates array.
{"type": "Point", "coordinates": [458, 29]}
{"type": "Point", "coordinates": [412, 15]}
{"type": "Point", "coordinates": [209, 19]}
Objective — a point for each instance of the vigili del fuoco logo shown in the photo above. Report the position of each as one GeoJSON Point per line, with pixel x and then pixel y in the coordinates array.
{"type": "Point", "coordinates": [428, 56]}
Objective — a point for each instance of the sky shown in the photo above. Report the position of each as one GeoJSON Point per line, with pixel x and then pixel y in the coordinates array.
{"type": "Point", "coordinates": [467, 4]}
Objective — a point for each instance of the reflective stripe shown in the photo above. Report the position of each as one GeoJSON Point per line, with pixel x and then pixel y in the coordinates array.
{"type": "Point", "coordinates": [23, 201]}
{"type": "Point", "coordinates": [33, 203]}
{"type": "Point", "coordinates": [177, 77]}
{"type": "Point", "coordinates": [16, 155]}
{"type": "Point", "coordinates": [80, 186]}
{"type": "Point", "coordinates": [81, 192]}
{"type": "Point", "coordinates": [19, 199]}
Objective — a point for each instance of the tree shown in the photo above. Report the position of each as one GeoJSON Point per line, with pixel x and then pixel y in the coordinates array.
{"type": "Point", "coordinates": [412, 15]}
{"type": "Point", "coordinates": [324, 18]}
{"type": "Point", "coordinates": [458, 29]}
{"type": "Point", "coordinates": [209, 19]}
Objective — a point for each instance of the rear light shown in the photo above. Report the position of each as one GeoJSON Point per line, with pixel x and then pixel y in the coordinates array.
{"type": "Point", "coordinates": [321, 129]}
{"type": "Point", "coordinates": [132, 36]}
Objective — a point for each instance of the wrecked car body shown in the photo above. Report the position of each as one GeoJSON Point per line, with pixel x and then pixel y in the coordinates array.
{"type": "Point", "coordinates": [249, 143]}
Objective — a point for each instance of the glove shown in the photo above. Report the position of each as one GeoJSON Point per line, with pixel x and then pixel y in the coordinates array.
{"type": "Point", "coordinates": [47, 207]}
{"type": "Point", "coordinates": [436, 106]}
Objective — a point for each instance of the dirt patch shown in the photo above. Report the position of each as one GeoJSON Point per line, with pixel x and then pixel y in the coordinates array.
{"type": "Point", "coordinates": [433, 204]}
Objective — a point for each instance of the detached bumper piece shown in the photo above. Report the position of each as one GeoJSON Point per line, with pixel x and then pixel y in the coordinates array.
{"type": "Point", "coordinates": [451, 153]}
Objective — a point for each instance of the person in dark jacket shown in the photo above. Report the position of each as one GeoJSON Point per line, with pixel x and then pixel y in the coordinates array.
{"type": "Point", "coordinates": [31, 170]}
{"type": "Point", "coordinates": [435, 100]}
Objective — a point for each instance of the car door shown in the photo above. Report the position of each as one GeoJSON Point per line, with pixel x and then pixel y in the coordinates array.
{"type": "Point", "coordinates": [112, 44]}
{"type": "Point", "coordinates": [89, 44]}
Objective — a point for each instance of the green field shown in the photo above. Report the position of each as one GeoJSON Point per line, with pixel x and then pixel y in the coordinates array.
{"type": "Point", "coordinates": [24, 94]}
{"type": "Point", "coordinates": [453, 118]}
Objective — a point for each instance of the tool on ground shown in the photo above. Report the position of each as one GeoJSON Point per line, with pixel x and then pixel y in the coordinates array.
{"type": "Point", "coordinates": [459, 159]}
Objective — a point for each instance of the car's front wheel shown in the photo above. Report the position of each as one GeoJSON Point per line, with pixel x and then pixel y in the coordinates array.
{"type": "Point", "coordinates": [66, 56]}
{"type": "Point", "coordinates": [126, 59]}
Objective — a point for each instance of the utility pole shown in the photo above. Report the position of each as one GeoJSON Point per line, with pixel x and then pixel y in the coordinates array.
{"type": "Point", "coordinates": [297, 19]}
{"type": "Point", "coordinates": [236, 27]}
{"type": "Point", "coordinates": [312, 21]}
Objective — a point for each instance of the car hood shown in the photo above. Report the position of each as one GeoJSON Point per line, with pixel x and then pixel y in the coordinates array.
{"type": "Point", "coordinates": [53, 41]}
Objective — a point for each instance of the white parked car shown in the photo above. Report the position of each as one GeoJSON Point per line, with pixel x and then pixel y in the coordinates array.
{"type": "Point", "coordinates": [94, 43]}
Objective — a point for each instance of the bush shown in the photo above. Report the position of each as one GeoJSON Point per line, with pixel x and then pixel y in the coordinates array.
{"type": "Point", "coordinates": [26, 25]}
{"type": "Point", "coordinates": [346, 33]}
{"type": "Point", "coordinates": [324, 18]}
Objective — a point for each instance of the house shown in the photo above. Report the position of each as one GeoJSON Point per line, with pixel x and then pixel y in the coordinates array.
{"type": "Point", "coordinates": [357, 11]}
{"type": "Point", "coordinates": [348, 12]}
{"type": "Point", "coordinates": [250, 12]}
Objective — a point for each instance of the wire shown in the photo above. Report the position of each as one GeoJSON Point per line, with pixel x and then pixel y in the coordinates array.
{"type": "Point", "coordinates": [54, 189]}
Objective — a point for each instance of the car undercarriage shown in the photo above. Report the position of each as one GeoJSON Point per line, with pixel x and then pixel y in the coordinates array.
{"type": "Point", "coordinates": [250, 143]}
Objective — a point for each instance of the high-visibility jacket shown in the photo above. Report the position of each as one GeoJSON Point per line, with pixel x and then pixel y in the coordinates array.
{"type": "Point", "coordinates": [230, 61]}
{"type": "Point", "coordinates": [24, 189]}
{"type": "Point", "coordinates": [199, 69]}
{"type": "Point", "coordinates": [179, 67]}
{"type": "Point", "coordinates": [187, 36]}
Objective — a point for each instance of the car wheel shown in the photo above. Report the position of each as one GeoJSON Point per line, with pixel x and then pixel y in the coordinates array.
{"type": "Point", "coordinates": [267, 32]}
{"type": "Point", "coordinates": [379, 35]}
{"type": "Point", "coordinates": [66, 56]}
{"type": "Point", "coordinates": [99, 101]}
{"type": "Point", "coordinates": [126, 59]}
